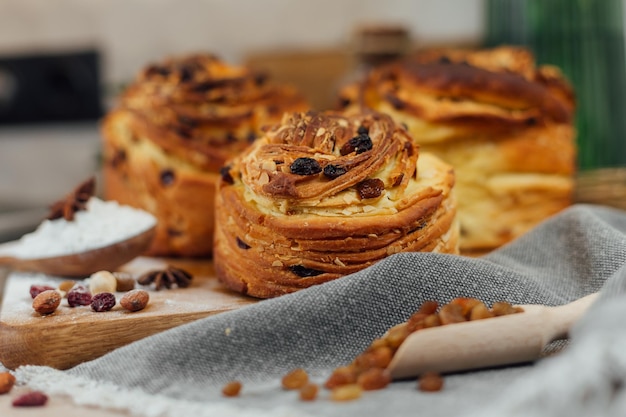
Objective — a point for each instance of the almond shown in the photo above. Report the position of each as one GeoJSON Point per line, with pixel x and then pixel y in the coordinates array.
{"type": "Point", "coordinates": [135, 300]}
{"type": "Point", "coordinates": [47, 302]}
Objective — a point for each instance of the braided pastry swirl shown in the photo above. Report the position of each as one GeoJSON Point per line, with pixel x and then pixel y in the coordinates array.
{"type": "Point", "coordinates": [323, 195]}
{"type": "Point", "coordinates": [171, 132]}
{"type": "Point", "coordinates": [503, 123]}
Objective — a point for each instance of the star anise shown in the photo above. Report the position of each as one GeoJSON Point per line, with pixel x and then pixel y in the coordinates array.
{"type": "Point", "coordinates": [167, 278]}
{"type": "Point", "coordinates": [73, 202]}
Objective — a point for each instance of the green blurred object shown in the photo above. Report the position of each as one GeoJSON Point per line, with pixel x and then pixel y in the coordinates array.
{"type": "Point", "coordinates": [585, 39]}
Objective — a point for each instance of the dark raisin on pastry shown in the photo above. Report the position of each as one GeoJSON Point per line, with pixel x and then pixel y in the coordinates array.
{"type": "Point", "coordinates": [303, 271]}
{"type": "Point", "coordinates": [305, 166]}
{"type": "Point", "coordinates": [167, 177]}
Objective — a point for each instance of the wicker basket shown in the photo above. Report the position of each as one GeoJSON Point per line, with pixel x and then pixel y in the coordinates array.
{"type": "Point", "coordinates": [606, 186]}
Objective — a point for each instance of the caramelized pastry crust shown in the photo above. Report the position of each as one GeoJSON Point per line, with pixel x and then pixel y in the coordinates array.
{"type": "Point", "coordinates": [172, 131]}
{"type": "Point", "coordinates": [505, 125]}
{"type": "Point", "coordinates": [322, 195]}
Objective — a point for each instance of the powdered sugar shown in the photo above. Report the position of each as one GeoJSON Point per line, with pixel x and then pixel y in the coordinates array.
{"type": "Point", "coordinates": [103, 223]}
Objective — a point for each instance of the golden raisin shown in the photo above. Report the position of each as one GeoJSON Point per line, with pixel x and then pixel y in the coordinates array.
{"type": "Point", "coordinates": [377, 343]}
{"type": "Point", "coordinates": [466, 304]}
{"type": "Point", "coordinates": [373, 379]}
{"type": "Point", "coordinates": [479, 312]}
{"type": "Point", "coordinates": [430, 382]}
{"type": "Point", "coordinates": [503, 308]}
{"type": "Point", "coordinates": [232, 389]}
{"type": "Point", "coordinates": [432, 320]}
{"type": "Point", "coordinates": [344, 375]}
{"type": "Point", "coordinates": [451, 313]}
{"type": "Point", "coordinates": [429, 307]}
{"type": "Point", "coordinates": [309, 392]}
{"type": "Point", "coordinates": [346, 393]}
{"type": "Point", "coordinates": [396, 335]}
{"type": "Point", "coordinates": [416, 322]}
{"type": "Point", "coordinates": [295, 379]}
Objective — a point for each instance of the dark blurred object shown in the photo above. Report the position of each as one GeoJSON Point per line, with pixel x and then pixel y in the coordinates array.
{"type": "Point", "coordinates": [585, 39]}
{"type": "Point", "coordinates": [50, 87]}
{"type": "Point", "coordinates": [374, 45]}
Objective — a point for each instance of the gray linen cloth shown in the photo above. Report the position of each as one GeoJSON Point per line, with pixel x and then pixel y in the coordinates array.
{"type": "Point", "coordinates": [181, 371]}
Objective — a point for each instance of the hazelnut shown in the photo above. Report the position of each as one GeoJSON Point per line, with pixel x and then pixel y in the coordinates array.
{"type": "Point", "coordinates": [102, 281]}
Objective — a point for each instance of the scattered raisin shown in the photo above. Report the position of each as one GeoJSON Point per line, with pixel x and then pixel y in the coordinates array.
{"type": "Point", "coordinates": [363, 130]}
{"type": "Point", "coordinates": [31, 399]}
{"type": "Point", "coordinates": [225, 173]}
{"type": "Point", "coordinates": [251, 137]}
{"type": "Point", "coordinates": [344, 375]}
{"type": "Point", "coordinates": [103, 301]}
{"type": "Point", "coordinates": [430, 382]}
{"type": "Point", "coordinates": [373, 379]}
{"type": "Point", "coordinates": [358, 144]}
{"type": "Point", "coordinates": [309, 392]}
{"type": "Point", "coordinates": [305, 166]}
{"type": "Point", "coordinates": [78, 296]}
{"type": "Point", "coordinates": [346, 392]}
{"type": "Point", "coordinates": [333, 171]}
{"type": "Point", "coordinates": [232, 389]}
{"type": "Point", "coordinates": [295, 379]}
{"type": "Point", "coordinates": [451, 313]}
{"type": "Point", "coordinates": [241, 244]}
{"type": "Point", "coordinates": [35, 289]}
{"type": "Point", "coordinates": [167, 177]}
{"type": "Point", "coordinates": [503, 308]}
{"type": "Point", "coordinates": [303, 271]}
{"type": "Point", "coordinates": [370, 188]}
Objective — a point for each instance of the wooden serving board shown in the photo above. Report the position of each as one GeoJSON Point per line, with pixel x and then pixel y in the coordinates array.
{"type": "Point", "coordinates": [71, 336]}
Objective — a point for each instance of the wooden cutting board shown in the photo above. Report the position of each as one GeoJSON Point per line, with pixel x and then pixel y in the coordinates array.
{"type": "Point", "coordinates": [71, 336]}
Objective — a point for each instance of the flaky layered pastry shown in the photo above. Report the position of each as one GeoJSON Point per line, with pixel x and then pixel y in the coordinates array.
{"type": "Point", "coordinates": [170, 133]}
{"type": "Point", "coordinates": [322, 195]}
{"type": "Point", "coordinates": [505, 125]}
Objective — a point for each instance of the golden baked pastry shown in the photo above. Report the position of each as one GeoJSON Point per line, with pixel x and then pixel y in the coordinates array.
{"type": "Point", "coordinates": [321, 195]}
{"type": "Point", "coordinates": [172, 131]}
{"type": "Point", "coordinates": [505, 125]}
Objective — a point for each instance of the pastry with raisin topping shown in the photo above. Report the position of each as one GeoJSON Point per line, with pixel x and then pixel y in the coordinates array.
{"type": "Point", "coordinates": [322, 195]}
{"type": "Point", "coordinates": [503, 123]}
{"type": "Point", "coordinates": [171, 132]}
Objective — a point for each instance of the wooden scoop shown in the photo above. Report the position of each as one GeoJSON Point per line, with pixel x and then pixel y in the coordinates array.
{"type": "Point", "coordinates": [503, 340]}
{"type": "Point", "coordinates": [83, 264]}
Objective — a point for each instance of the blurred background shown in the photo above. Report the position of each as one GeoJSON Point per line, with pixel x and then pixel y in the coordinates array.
{"type": "Point", "coordinates": [63, 62]}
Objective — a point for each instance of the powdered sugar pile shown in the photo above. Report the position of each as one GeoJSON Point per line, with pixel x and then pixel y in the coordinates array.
{"type": "Point", "coordinates": [103, 223]}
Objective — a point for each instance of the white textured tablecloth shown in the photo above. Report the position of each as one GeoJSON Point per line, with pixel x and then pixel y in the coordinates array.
{"type": "Point", "coordinates": [180, 372]}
